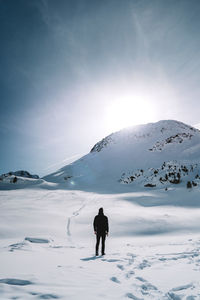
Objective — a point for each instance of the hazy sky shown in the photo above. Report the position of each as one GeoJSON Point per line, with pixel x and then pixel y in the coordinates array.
{"type": "Point", "coordinates": [72, 72]}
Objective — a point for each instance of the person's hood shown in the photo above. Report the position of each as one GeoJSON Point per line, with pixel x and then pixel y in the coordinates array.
{"type": "Point", "coordinates": [101, 211]}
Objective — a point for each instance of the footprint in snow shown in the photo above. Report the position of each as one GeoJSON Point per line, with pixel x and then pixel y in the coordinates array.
{"type": "Point", "coordinates": [131, 296]}
{"type": "Point", "coordinates": [110, 260]}
{"type": "Point", "coordinates": [48, 296]}
{"type": "Point", "coordinates": [130, 274]}
{"type": "Point", "coordinates": [121, 267]}
{"type": "Point", "coordinates": [173, 296]}
{"type": "Point", "coordinates": [17, 246]}
{"type": "Point", "coordinates": [37, 240]}
{"type": "Point", "coordinates": [44, 296]}
{"type": "Point", "coordinates": [182, 287]}
{"type": "Point", "coordinates": [148, 286]}
{"type": "Point", "coordinates": [114, 279]}
{"type": "Point", "coordinates": [141, 279]}
{"type": "Point", "coordinates": [144, 264]}
{"type": "Point", "coordinates": [131, 259]}
{"type": "Point", "coordinates": [14, 281]}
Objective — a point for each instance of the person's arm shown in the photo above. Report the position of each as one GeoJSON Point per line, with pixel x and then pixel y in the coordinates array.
{"type": "Point", "coordinates": [95, 225]}
{"type": "Point", "coordinates": [107, 226]}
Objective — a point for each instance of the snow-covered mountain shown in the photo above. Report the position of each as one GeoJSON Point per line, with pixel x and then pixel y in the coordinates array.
{"type": "Point", "coordinates": [156, 154]}
{"type": "Point", "coordinates": [20, 173]}
{"type": "Point", "coordinates": [18, 179]}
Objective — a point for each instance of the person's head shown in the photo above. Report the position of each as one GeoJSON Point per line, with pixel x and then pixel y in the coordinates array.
{"type": "Point", "coordinates": [101, 211]}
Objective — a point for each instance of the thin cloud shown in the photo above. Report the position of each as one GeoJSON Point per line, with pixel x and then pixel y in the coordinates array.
{"type": "Point", "coordinates": [66, 160]}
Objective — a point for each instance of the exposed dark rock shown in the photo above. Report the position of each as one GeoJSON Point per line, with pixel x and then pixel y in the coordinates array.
{"type": "Point", "coordinates": [178, 138]}
{"type": "Point", "coordinates": [175, 181]}
{"type": "Point", "coordinates": [67, 177]}
{"type": "Point", "coordinates": [189, 185]}
{"type": "Point", "coordinates": [102, 144]}
{"type": "Point", "coordinates": [15, 179]}
{"type": "Point", "coordinates": [150, 185]}
{"type": "Point", "coordinates": [17, 174]}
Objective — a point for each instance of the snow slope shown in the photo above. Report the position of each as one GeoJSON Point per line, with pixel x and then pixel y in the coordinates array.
{"type": "Point", "coordinates": [125, 153]}
{"type": "Point", "coordinates": [18, 179]}
{"type": "Point", "coordinates": [47, 245]}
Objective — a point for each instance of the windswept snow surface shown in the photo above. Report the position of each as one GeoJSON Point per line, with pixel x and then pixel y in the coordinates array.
{"type": "Point", "coordinates": [47, 245]}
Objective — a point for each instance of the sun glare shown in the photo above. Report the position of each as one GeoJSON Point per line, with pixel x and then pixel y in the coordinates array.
{"type": "Point", "coordinates": [127, 112]}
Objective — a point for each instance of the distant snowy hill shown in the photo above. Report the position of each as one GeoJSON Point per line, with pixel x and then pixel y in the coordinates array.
{"type": "Point", "coordinates": [162, 154]}
{"type": "Point", "coordinates": [18, 179]}
{"type": "Point", "coordinates": [20, 173]}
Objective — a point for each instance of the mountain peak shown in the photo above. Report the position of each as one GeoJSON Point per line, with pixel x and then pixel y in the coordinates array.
{"type": "Point", "coordinates": [168, 128]}
{"type": "Point", "coordinates": [145, 151]}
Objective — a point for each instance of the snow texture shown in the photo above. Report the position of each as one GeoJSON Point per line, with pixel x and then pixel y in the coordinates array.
{"type": "Point", "coordinates": [152, 251]}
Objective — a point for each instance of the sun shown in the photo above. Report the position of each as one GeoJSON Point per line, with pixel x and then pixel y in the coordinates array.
{"type": "Point", "coordinates": [129, 111]}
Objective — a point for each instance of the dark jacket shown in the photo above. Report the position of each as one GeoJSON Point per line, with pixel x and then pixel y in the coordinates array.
{"type": "Point", "coordinates": [101, 224]}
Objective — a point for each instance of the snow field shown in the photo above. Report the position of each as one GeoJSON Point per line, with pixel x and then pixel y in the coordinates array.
{"type": "Point", "coordinates": [47, 245]}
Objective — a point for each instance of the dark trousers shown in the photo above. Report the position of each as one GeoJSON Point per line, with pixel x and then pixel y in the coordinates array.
{"type": "Point", "coordinates": [101, 236]}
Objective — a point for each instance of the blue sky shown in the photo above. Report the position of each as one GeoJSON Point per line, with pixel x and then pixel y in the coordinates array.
{"type": "Point", "coordinates": [72, 72]}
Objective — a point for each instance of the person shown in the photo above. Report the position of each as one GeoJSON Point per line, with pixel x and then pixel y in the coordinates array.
{"type": "Point", "coordinates": [101, 229]}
